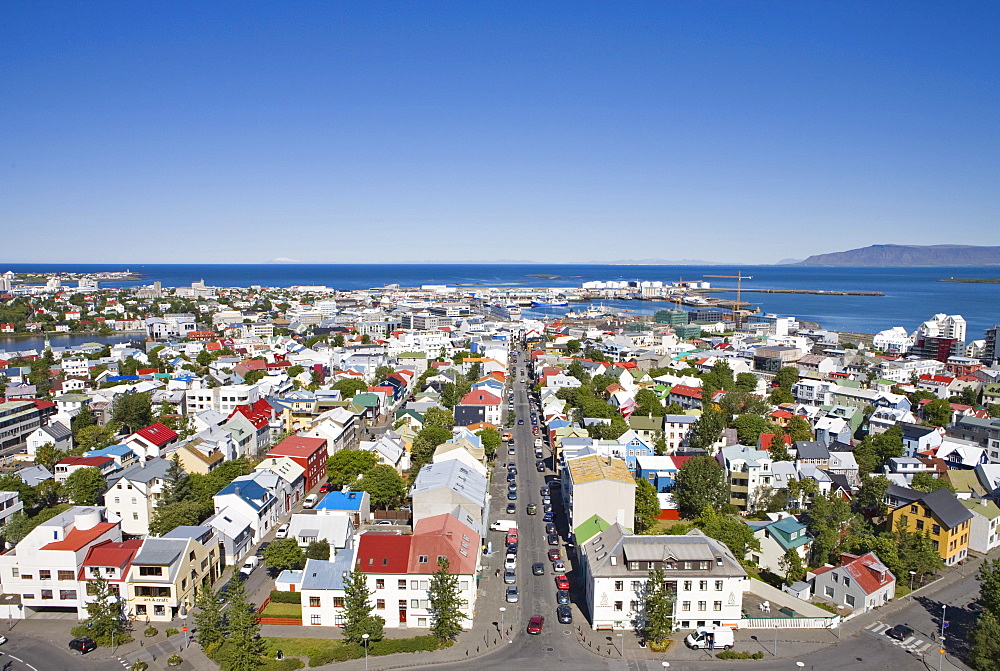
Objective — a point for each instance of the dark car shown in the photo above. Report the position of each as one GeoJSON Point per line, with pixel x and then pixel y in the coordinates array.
{"type": "Point", "coordinates": [540, 466]}
{"type": "Point", "coordinates": [900, 632]}
{"type": "Point", "coordinates": [511, 485]}
{"type": "Point", "coordinates": [547, 517]}
{"type": "Point", "coordinates": [565, 614]}
{"type": "Point", "coordinates": [553, 539]}
{"type": "Point", "coordinates": [550, 528]}
{"type": "Point", "coordinates": [512, 496]}
{"type": "Point", "coordinates": [511, 508]}
{"type": "Point", "coordinates": [562, 596]}
{"type": "Point", "coordinates": [260, 550]}
{"type": "Point", "coordinates": [547, 508]}
{"type": "Point", "coordinates": [83, 645]}
{"type": "Point", "coordinates": [535, 624]}
{"type": "Point", "coordinates": [520, 421]}
{"type": "Point", "coordinates": [511, 476]}
{"type": "Point", "coordinates": [538, 568]}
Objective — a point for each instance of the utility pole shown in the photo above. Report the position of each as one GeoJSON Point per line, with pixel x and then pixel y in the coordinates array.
{"type": "Point", "coordinates": [739, 277]}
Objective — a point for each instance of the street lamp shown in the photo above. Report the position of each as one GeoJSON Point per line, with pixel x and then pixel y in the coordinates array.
{"type": "Point", "coordinates": [503, 610]}
{"type": "Point", "coordinates": [622, 637]}
{"type": "Point", "coordinates": [184, 617]}
{"type": "Point", "coordinates": [944, 610]}
{"type": "Point", "coordinates": [364, 637]}
{"type": "Point", "coordinates": [912, 573]}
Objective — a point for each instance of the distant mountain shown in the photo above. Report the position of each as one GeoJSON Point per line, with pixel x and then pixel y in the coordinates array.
{"type": "Point", "coordinates": [909, 255]}
{"type": "Point", "coordinates": [787, 262]}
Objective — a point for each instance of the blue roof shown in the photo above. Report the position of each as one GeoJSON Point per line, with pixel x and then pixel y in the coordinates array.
{"type": "Point", "coordinates": [123, 378]}
{"type": "Point", "coordinates": [119, 450]}
{"type": "Point", "coordinates": [249, 491]}
{"type": "Point", "coordinates": [342, 501]}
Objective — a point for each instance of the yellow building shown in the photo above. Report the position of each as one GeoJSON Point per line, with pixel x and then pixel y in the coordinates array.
{"type": "Point", "coordinates": [938, 514]}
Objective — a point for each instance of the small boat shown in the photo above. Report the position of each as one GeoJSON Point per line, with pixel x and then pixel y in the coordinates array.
{"type": "Point", "coordinates": [548, 304]}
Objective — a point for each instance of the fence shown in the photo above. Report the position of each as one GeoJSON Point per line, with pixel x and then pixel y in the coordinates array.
{"type": "Point", "coordinates": [276, 620]}
{"type": "Point", "coordinates": [789, 622]}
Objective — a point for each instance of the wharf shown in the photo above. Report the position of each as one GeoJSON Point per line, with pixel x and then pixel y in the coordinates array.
{"type": "Point", "coordinates": [817, 292]}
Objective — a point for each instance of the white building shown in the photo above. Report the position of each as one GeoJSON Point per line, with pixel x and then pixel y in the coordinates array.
{"type": "Point", "coordinates": [134, 493]}
{"type": "Point", "coordinates": [222, 399]}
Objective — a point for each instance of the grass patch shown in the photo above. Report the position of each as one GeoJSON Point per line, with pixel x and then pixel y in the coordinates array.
{"type": "Point", "coordinates": [282, 610]}
{"type": "Point", "coordinates": [827, 607]}
{"type": "Point", "coordinates": [670, 527]}
{"type": "Point", "coordinates": [732, 654]}
{"type": "Point", "coordinates": [83, 630]}
{"type": "Point", "coordinates": [299, 647]}
{"type": "Point", "coordinates": [322, 651]}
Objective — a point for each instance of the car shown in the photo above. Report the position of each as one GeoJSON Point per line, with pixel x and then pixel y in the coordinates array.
{"type": "Point", "coordinates": [547, 517]}
{"type": "Point", "coordinates": [325, 488]}
{"type": "Point", "coordinates": [538, 568]}
{"type": "Point", "coordinates": [555, 555]}
{"type": "Point", "coordinates": [562, 582]}
{"type": "Point", "coordinates": [384, 523]}
{"type": "Point", "coordinates": [83, 645]}
{"type": "Point", "coordinates": [976, 607]}
{"type": "Point", "coordinates": [540, 467]}
{"type": "Point", "coordinates": [510, 442]}
{"type": "Point", "coordinates": [900, 632]}
{"type": "Point", "coordinates": [511, 450]}
{"type": "Point", "coordinates": [544, 490]}
{"type": "Point", "coordinates": [562, 596]}
{"type": "Point", "coordinates": [532, 508]}
{"type": "Point", "coordinates": [555, 482]}
{"type": "Point", "coordinates": [260, 550]}
{"type": "Point", "coordinates": [520, 421]}
{"type": "Point", "coordinates": [3, 639]}
{"type": "Point", "coordinates": [511, 468]}
{"type": "Point", "coordinates": [310, 501]}
{"type": "Point", "coordinates": [511, 485]}
{"type": "Point", "coordinates": [535, 624]}
{"type": "Point", "coordinates": [535, 430]}
{"type": "Point", "coordinates": [248, 566]}
{"type": "Point", "coordinates": [552, 539]}
{"type": "Point", "coordinates": [509, 576]}
{"type": "Point", "coordinates": [510, 562]}
{"type": "Point", "coordinates": [539, 454]}
{"type": "Point", "coordinates": [282, 532]}
{"type": "Point", "coordinates": [512, 548]}
{"type": "Point", "coordinates": [550, 528]}
{"type": "Point", "coordinates": [547, 508]}
{"type": "Point", "coordinates": [512, 496]}
{"type": "Point", "coordinates": [559, 566]}
{"type": "Point", "coordinates": [511, 508]}
{"type": "Point", "coordinates": [564, 614]}
{"type": "Point", "coordinates": [512, 594]}
{"type": "Point", "coordinates": [546, 500]}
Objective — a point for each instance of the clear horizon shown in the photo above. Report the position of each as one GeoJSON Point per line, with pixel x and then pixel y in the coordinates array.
{"type": "Point", "coordinates": [724, 132]}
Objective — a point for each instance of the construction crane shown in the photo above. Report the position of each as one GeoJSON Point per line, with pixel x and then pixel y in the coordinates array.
{"type": "Point", "coordinates": [739, 277]}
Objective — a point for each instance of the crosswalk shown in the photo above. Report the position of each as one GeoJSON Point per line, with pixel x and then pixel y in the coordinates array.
{"type": "Point", "coordinates": [912, 644]}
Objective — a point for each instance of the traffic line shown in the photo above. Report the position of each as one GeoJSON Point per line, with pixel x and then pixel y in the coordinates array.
{"type": "Point", "coordinates": [22, 661]}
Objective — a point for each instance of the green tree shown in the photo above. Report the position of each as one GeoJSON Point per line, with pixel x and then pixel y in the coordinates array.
{"type": "Point", "coordinates": [208, 620]}
{"type": "Point", "coordinates": [83, 419]}
{"type": "Point", "coordinates": [382, 372]}
{"type": "Point", "coordinates": [84, 486]}
{"type": "Point", "coordinates": [318, 550]}
{"type": "Point", "coordinates": [870, 499]}
{"type": "Point", "coordinates": [358, 618]}
{"type": "Point", "coordinates": [799, 429]}
{"type": "Point", "coordinates": [707, 429]}
{"type": "Point", "coordinates": [204, 358]}
{"type": "Point", "coordinates": [295, 371]}
{"type": "Point", "coordinates": [779, 395]}
{"type": "Point", "coordinates": [658, 606]}
{"type": "Point", "coordinates": [338, 340]}
{"type": "Point", "coordinates": [133, 411]}
{"type": "Point", "coordinates": [48, 455]}
{"type": "Point", "coordinates": [745, 382]}
{"type": "Point", "coordinates": [720, 376]}
{"type": "Point", "coordinates": [786, 377]}
{"type": "Point", "coordinates": [648, 404]}
{"type": "Point", "coordinates": [778, 449]}
{"type": "Point", "coordinates": [791, 565]}
{"type": "Point", "coordinates": [647, 505]}
{"type": "Point", "coordinates": [94, 437]}
{"type": "Point", "coordinates": [968, 396]}
{"type": "Point", "coordinates": [938, 412]}
{"type": "Point", "coordinates": [424, 444]}
{"type": "Point", "coordinates": [106, 619]}
{"type": "Point", "coordinates": [826, 520]}
{"type": "Point", "coordinates": [446, 603]}
{"type": "Point", "coordinates": [749, 427]}
{"type": "Point", "coordinates": [491, 441]}
{"type": "Point", "coordinates": [572, 346]}
{"type": "Point", "coordinates": [700, 483]}
{"type": "Point", "coordinates": [243, 628]}
{"type": "Point", "coordinates": [925, 482]}
{"type": "Point", "coordinates": [349, 387]}
{"type": "Point", "coordinates": [988, 577]}
{"type": "Point", "coordinates": [344, 467]}
{"type": "Point", "coordinates": [384, 485]}
{"type": "Point", "coordinates": [985, 654]}
{"type": "Point", "coordinates": [284, 554]}
{"type": "Point", "coordinates": [730, 530]}
{"type": "Point", "coordinates": [167, 517]}
{"type": "Point", "coordinates": [439, 417]}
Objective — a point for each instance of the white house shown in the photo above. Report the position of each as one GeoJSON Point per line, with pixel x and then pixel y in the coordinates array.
{"type": "Point", "coordinates": [133, 494]}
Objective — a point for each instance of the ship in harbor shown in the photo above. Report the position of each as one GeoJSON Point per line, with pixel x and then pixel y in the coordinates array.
{"type": "Point", "coordinates": [541, 303]}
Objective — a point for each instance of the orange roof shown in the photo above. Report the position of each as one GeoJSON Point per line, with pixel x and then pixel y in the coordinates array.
{"type": "Point", "coordinates": [77, 539]}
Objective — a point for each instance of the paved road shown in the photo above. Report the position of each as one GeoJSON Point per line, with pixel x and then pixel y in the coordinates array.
{"type": "Point", "coordinates": [32, 654]}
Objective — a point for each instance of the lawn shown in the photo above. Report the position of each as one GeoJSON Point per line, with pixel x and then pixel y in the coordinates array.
{"type": "Point", "coordinates": [299, 647]}
{"type": "Point", "coordinates": [282, 610]}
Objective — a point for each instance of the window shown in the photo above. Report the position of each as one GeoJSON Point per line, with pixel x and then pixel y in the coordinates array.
{"type": "Point", "coordinates": [414, 584]}
{"type": "Point", "coordinates": [936, 529]}
{"type": "Point", "coordinates": [338, 602]}
{"type": "Point", "coordinates": [828, 591]}
{"type": "Point", "coordinates": [380, 604]}
{"type": "Point", "coordinates": [314, 602]}
{"type": "Point", "coordinates": [380, 583]}
{"type": "Point", "coordinates": [718, 585]}
{"type": "Point", "coordinates": [401, 583]}
{"type": "Point", "coordinates": [15, 572]}
{"type": "Point", "coordinates": [687, 566]}
{"type": "Point", "coordinates": [685, 605]}
{"type": "Point", "coordinates": [619, 585]}
{"type": "Point", "coordinates": [315, 619]}
{"type": "Point", "coordinates": [140, 609]}
{"type": "Point", "coordinates": [422, 559]}
{"type": "Point", "coordinates": [135, 516]}
{"type": "Point", "coordinates": [44, 575]}
{"type": "Point", "coordinates": [702, 585]}
{"type": "Point", "coordinates": [67, 595]}
{"type": "Point", "coordinates": [150, 570]}
{"type": "Point", "coordinates": [716, 605]}
{"type": "Point", "coordinates": [117, 498]}
{"type": "Point", "coordinates": [618, 605]}
{"type": "Point", "coordinates": [46, 594]}
{"type": "Point", "coordinates": [920, 525]}
{"type": "Point", "coordinates": [702, 605]}
{"type": "Point", "coordinates": [636, 586]}
{"type": "Point", "coordinates": [847, 581]}
{"type": "Point", "coordinates": [687, 585]}
{"type": "Point", "coordinates": [145, 590]}
{"type": "Point", "coordinates": [849, 600]}
{"type": "Point", "coordinates": [414, 603]}
{"type": "Point", "coordinates": [913, 509]}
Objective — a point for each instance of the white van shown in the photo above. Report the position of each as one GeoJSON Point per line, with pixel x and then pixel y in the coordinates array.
{"type": "Point", "coordinates": [310, 501]}
{"type": "Point", "coordinates": [711, 638]}
{"type": "Point", "coordinates": [282, 532]}
{"type": "Point", "coordinates": [249, 565]}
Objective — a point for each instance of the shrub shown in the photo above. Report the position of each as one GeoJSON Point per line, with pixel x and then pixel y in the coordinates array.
{"type": "Point", "coordinates": [732, 654]}
{"type": "Point", "coordinates": [150, 631]}
{"type": "Point", "coordinates": [287, 664]}
{"type": "Point", "coordinates": [139, 666]}
{"type": "Point", "coordinates": [389, 646]}
{"type": "Point", "coordinates": [170, 632]}
{"type": "Point", "coordinates": [285, 597]}
{"type": "Point", "coordinates": [174, 660]}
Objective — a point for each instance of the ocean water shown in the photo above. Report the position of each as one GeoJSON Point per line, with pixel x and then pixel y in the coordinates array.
{"type": "Point", "coordinates": [911, 294]}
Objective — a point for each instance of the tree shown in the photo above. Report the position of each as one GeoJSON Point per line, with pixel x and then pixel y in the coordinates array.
{"type": "Point", "coordinates": [167, 517]}
{"type": "Point", "coordinates": [779, 450]}
{"type": "Point", "coordinates": [208, 616]}
{"type": "Point", "coordinates": [572, 346]}
{"type": "Point", "coordinates": [358, 618]}
{"type": "Point", "coordinates": [284, 554]}
{"type": "Point", "coordinates": [439, 417]}
{"type": "Point", "coordinates": [204, 358]}
{"type": "Point", "coordinates": [47, 455]}
{"type": "Point", "coordinates": [82, 419]}
{"type": "Point", "coordinates": [731, 531]}
{"type": "Point", "coordinates": [968, 396]}
{"type": "Point", "coordinates": [659, 607]}
{"type": "Point", "coordinates": [826, 519]}
{"type": "Point", "coordinates": [446, 603]}
{"type": "Point", "coordinates": [133, 411]}
{"type": "Point", "coordinates": [105, 616]}
{"type": "Point", "coordinates": [243, 628]}
{"type": "Point", "coordinates": [84, 486]}
{"type": "Point", "coordinates": [707, 429]}
{"type": "Point", "coordinates": [746, 382]}
{"type": "Point", "coordinates": [344, 467]}
{"type": "Point", "coordinates": [989, 585]}
{"type": "Point", "coordinates": [349, 387]}
{"type": "Point", "coordinates": [799, 429]}
{"type": "Point", "coordinates": [749, 427]}
{"type": "Point", "coordinates": [720, 376]}
{"type": "Point", "coordinates": [870, 499]}
{"type": "Point", "coordinates": [384, 485]}
{"type": "Point", "coordinates": [985, 655]}
{"type": "Point", "coordinates": [938, 412]}
{"type": "Point", "coordinates": [424, 445]}
{"type": "Point", "coordinates": [383, 372]}
{"type": "Point", "coordinates": [318, 550]}
{"type": "Point", "coordinates": [648, 404]}
{"type": "Point", "coordinates": [791, 565]}
{"type": "Point", "coordinates": [779, 395]}
{"type": "Point", "coordinates": [94, 437]}
{"type": "Point", "coordinates": [491, 441]}
{"type": "Point", "coordinates": [700, 483]}
{"type": "Point", "coordinates": [647, 505]}
{"type": "Point", "coordinates": [786, 377]}
{"type": "Point", "coordinates": [925, 482]}
{"type": "Point", "coordinates": [295, 371]}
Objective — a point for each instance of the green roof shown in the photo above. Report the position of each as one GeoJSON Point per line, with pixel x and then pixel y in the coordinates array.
{"type": "Point", "coordinates": [589, 528]}
{"type": "Point", "coordinates": [412, 355]}
{"type": "Point", "coordinates": [366, 400]}
{"type": "Point", "coordinates": [990, 510]}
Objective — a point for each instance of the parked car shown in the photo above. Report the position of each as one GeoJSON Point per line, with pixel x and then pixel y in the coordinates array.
{"type": "Point", "coordinates": [540, 467]}
{"type": "Point", "coordinates": [553, 539]}
{"type": "Point", "coordinates": [535, 624]}
{"type": "Point", "coordinates": [83, 645]}
{"type": "Point", "coordinates": [512, 496]}
{"type": "Point", "coordinates": [511, 450]}
{"type": "Point", "coordinates": [509, 576]}
{"type": "Point", "coordinates": [547, 517]}
{"type": "Point", "coordinates": [544, 490]}
{"type": "Point", "coordinates": [512, 594]}
{"type": "Point", "coordinates": [546, 500]}
{"type": "Point", "coordinates": [325, 488]}
{"type": "Point", "coordinates": [511, 508]}
{"type": "Point", "coordinates": [564, 614]}
{"type": "Point", "coordinates": [538, 568]}
{"type": "Point", "coordinates": [510, 561]}
{"type": "Point", "coordinates": [547, 508]}
{"type": "Point", "coordinates": [554, 555]}
{"type": "Point", "coordinates": [562, 582]}
{"type": "Point", "coordinates": [260, 550]}
{"type": "Point", "coordinates": [900, 632]}
{"type": "Point", "coordinates": [310, 501]}
{"type": "Point", "coordinates": [562, 596]}
{"type": "Point", "coordinates": [550, 528]}
{"type": "Point", "coordinates": [3, 639]}
{"type": "Point", "coordinates": [511, 485]}
{"type": "Point", "coordinates": [538, 454]}
{"type": "Point", "coordinates": [248, 566]}
{"type": "Point", "coordinates": [559, 566]}
{"type": "Point", "coordinates": [384, 523]}
{"type": "Point", "coordinates": [282, 532]}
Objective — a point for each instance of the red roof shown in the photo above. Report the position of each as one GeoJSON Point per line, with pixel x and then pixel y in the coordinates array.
{"type": "Point", "coordinates": [480, 397]}
{"type": "Point", "coordinates": [867, 570]}
{"type": "Point", "coordinates": [684, 390]}
{"type": "Point", "coordinates": [936, 379]}
{"type": "Point", "coordinates": [93, 462]}
{"type": "Point", "coordinates": [42, 405]}
{"type": "Point", "coordinates": [383, 553]}
{"type": "Point", "coordinates": [259, 418]}
{"type": "Point", "coordinates": [765, 439]}
{"type": "Point", "coordinates": [110, 553]}
{"type": "Point", "coordinates": [77, 540]}
{"type": "Point", "coordinates": [782, 414]}
{"type": "Point", "coordinates": [297, 446]}
{"type": "Point", "coordinates": [443, 535]}
{"type": "Point", "coordinates": [158, 434]}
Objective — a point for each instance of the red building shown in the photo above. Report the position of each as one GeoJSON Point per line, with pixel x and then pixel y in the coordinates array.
{"type": "Point", "coordinates": [309, 453]}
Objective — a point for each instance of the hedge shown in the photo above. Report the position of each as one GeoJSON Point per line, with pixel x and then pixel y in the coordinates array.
{"type": "Point", "coordinates": [732, 654]}
{"type": "Point", "coordinates": [286, 597]}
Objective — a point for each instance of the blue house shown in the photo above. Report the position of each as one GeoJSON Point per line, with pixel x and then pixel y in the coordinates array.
{"type": "Point", "coordinates": [356, 504]}
{"type": "Point", "coordinates": [660, 471]}
{"type": "Point", "coordinates": [630, 447]}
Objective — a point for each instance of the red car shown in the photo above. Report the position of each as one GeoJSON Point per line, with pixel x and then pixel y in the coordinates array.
{"type": "Point", "coordinates": [325, 488]}
{"type": "Point", "coordinates": [562, 582]}
{"type": "Point", "coordinates": [554, 555]}
{"type": "Point", "coordinates": [535, 624]}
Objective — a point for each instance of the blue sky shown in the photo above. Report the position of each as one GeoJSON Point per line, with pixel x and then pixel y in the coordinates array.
{"type": "Point", "coordinates": [338, 132]}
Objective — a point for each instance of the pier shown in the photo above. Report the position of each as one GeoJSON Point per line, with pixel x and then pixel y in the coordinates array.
{"type": "Point", "coordinates": [817, 292]}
